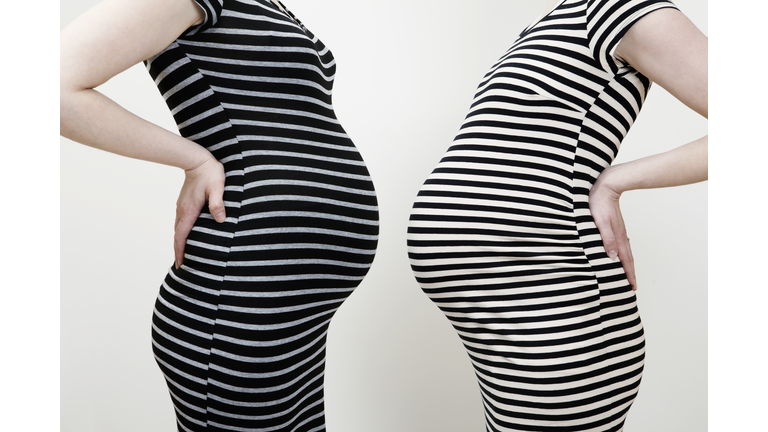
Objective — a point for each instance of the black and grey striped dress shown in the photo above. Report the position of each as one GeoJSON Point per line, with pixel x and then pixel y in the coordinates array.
{"type": "Point", "coordinates": [239, 330]}
{"type": "Point", "coordinates": [502, 240]}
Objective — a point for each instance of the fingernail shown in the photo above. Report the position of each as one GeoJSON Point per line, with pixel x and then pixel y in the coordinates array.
{"type": "Point", "coordinates": [613, 255]}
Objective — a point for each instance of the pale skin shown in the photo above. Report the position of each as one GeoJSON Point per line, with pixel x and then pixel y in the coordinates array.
{"type": "Point", "coordinates": [664, 46]}
{"type": "Point", "coordinates": [105, 41]}
{"type": "Point", "coordinates": [93, 50]}
{"type": "Point", "coordinates": [667, 48]}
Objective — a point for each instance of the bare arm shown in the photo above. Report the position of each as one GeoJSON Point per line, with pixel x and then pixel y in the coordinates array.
{"type": "Point", "coordinates": [107, 40]}
{"type": "Point", "coordinates": [666, 47]}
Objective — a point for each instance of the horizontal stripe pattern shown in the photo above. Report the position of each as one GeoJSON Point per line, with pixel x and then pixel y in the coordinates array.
{"type": "Point", "coordinates": [239, 330]}
{"type": "Point", "coordinates": [501, 237]}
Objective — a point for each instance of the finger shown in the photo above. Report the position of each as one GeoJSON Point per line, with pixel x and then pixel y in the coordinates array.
{"type": "Point", "coordinates": [611, 248]}
{"type": "Point", "coordinates": [183, 227]}
{"type": "Point", "coordinates": [627, 261]}
{"type": "Point", "coordinates": [216, 205]}
{"type": "Point", "coordinates": [633, 280]}
{"type": "Point", "coordinates": [609, 239]}
{"type": "Point", "coordinates": [624, 250]}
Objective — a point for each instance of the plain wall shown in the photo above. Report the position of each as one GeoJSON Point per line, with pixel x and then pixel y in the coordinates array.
{"type": "Point", "coordinates": [407, 71]}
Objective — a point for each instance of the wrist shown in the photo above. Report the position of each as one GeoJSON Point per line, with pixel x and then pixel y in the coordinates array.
{"type": "Point", "coordinates": [201, 158]}
{"type": "Point", "coordinates": [609, 181]}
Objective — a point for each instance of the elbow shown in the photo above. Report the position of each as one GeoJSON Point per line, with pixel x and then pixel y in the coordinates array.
{"type": "Point", "coordinates": [66, 95]}
{"type": "Point", "coordinates": [70, 100]}
{"type": "Point", "coordinates": [66, 111]}
{"type": "Point", "coordinates": [64, 127]}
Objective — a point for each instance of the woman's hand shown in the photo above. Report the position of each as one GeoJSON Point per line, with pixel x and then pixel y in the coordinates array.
{"type": "Point", "coordinates": [667, 48]}
{"type": "Point", "coordinates": [203, 183]}
{"type": "Point", "coordinates": [106, 40]}
{"type": "Point", "coordinates": [606, 212]}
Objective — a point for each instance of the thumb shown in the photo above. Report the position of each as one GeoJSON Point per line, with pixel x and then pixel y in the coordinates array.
{"type": "Point", "coordinates": [605, 228]}
{"type": "Point", "coordinates": [609, 243]}
{"type": "Point", "coordinates": [216, 205]}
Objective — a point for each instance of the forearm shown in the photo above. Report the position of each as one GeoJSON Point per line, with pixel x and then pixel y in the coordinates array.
{"type": "Point", "coordinates": [93, 119]}
{"type": "Point", "coordinates": [106, 40]}
{"type": "Point", "coordinates": [683, 165]}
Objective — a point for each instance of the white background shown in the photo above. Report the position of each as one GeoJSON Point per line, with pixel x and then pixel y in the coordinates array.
{"type": "Point", "coordinates": [407, 72]}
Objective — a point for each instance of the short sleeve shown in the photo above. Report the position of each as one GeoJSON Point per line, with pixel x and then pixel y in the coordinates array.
{"type": "Point", "coordinates": [609, 20]}
{"type": "Point", "coordinates": [212, 9]}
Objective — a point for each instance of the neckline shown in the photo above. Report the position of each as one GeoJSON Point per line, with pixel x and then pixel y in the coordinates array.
{"type": "Point", "coordinates": [543, 16]}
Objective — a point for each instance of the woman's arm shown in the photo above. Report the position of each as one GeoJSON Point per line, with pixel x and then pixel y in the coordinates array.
{"type": "Point", "coordinates": [666, 47]}
{"type": "Point", "coordinates": [106, 40]}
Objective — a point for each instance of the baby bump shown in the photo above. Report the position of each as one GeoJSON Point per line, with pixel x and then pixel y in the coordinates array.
{"type": "Point", "coordinates": [473, 202]}
{"type": "Point", "coordinates": [292, 207]}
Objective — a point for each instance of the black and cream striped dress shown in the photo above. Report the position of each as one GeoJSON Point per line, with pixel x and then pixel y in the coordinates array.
{"type": "Point", "coordinates": [502, 240]}
{"type": "Point", "coordinates": [239, 330]}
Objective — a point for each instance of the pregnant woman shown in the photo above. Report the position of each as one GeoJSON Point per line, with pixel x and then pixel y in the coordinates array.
{"type": "Point", "coordinates": [277, 220]}
{"type": "Point", "coordinates": [517, 235]}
